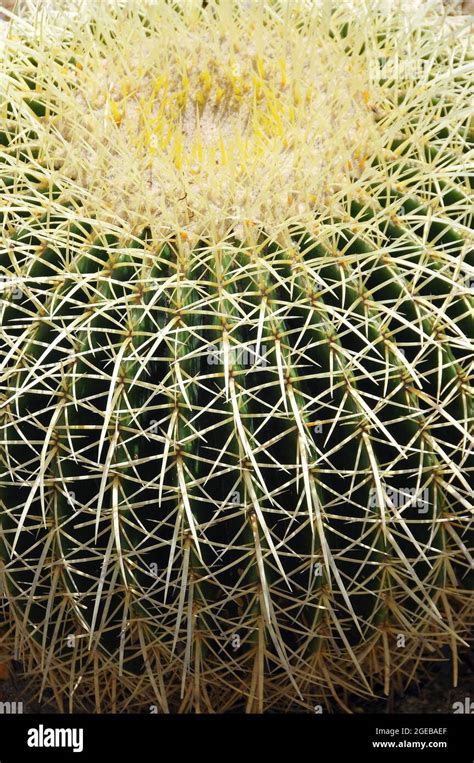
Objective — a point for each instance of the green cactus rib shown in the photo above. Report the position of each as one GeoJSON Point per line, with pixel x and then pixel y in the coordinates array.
{"type": "Point", "coordinates": [235, 473]}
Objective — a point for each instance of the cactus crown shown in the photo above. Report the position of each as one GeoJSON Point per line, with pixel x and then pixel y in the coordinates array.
{"type": "Point", "coordinates": [216, 119]}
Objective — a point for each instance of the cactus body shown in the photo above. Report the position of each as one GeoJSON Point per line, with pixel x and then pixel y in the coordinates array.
{"type": "Point", "coordinates": [236, 458]}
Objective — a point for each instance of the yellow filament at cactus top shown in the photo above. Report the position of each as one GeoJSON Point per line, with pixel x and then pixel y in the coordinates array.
{"type": "Point", "coordinates": [245, 115]}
